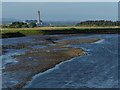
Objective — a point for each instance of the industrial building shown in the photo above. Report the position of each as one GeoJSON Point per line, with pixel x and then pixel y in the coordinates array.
{"type": "Point", "coordinates": [38, 21]}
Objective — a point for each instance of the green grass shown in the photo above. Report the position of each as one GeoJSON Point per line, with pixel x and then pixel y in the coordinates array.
{"type": "Point", "coordinates": [68, 30]}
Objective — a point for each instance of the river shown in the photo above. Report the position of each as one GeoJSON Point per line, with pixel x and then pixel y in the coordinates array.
{"type": "Point", "coordinates": [98, 69]}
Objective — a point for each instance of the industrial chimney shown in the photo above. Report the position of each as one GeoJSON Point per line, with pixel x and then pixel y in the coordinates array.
{"type": "Point", "coordinates": [119, 11]}
{"type": "Point", "coordinates": [38, 17]}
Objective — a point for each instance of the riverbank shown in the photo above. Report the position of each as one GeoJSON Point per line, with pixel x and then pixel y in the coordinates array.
{"type": "Point", "coordinates": [51, 51]}
{"type": "Point", "coordinates": [14, 32]}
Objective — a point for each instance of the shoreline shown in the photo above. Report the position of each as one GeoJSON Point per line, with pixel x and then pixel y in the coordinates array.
{"type": "Point", "coordinates": [50, 69]}
{"type": "Point", "coordinates": [41, 59]}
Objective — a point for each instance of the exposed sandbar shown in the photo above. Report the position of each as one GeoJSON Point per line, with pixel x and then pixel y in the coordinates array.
{"type": "Point", "coordinates": [41, 59]}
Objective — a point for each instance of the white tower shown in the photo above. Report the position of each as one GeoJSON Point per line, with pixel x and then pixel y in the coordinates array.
{"type": "Point", "coordinates": [119, 11]}
{"type": "Point", "coordinates": [38, 17]}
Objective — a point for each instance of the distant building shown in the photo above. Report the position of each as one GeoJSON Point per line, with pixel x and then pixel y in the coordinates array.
{"type": "Point", "coordinates": [30, 21]}
{"type": "Point", "coordinates": [38, 17]}
{"type": "Point", "coordinates": [119, 11]}
{"type": "Point", "coordinates": [38, 21]}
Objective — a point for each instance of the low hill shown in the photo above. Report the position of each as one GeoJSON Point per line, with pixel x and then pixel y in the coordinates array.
{"type": "Point", "coordinates": [100, 23]}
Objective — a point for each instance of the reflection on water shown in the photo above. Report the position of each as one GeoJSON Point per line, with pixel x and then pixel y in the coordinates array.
{"type": "Point", "coordinates": [7, 58]}
{"type": "Point", "coordinates": [37, 46]}
{"type": "Point", "coordinates": [81, 37]}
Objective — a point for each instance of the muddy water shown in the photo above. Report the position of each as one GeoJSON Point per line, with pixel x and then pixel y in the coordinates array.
{"type": "Point", "coordinates": [99, 69]}
{"type": "Point", "coordinates": [11, 49]}
{"type": "Point", "coordinates": [19, 46]}
{"type": "Point", "coordinates": [94, 70]}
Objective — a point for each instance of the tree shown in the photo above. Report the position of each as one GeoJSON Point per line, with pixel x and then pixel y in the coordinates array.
{"type": "Point", "coordinates": [4, 26]}
{"type": "Point", "coordinates": [99, 23]}
{"type": "Point", "coordinates": [25, 26]}
{"type": "Point", "coordinates": [17, 26]}
{"type": "Point", "coordinates": [32, 25]}
{"type": "Point", "coordinates": [11, 26]}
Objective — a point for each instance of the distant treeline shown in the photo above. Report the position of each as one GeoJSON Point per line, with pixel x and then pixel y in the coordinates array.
{"type": "Point", "coordinates": [99, 23]}
{"type": "Point", "coordinates": [19, 25]}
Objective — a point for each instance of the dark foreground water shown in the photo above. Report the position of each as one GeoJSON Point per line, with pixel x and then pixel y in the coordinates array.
{"type": "Point", "coordinates": [99, 69]}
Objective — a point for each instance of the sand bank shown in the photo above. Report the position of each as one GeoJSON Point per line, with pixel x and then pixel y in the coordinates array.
{"type": "Point", "coordinates": [37, 60]}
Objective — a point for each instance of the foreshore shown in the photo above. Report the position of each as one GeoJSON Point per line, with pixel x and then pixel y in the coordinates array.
{"type": "Point", "coordinates": [37, 60]}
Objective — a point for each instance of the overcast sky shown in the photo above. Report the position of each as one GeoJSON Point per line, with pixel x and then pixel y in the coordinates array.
{"type": "Point", "coordinates": [61, 11]}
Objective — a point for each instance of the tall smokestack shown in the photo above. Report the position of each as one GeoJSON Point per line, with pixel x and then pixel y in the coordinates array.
{"type": "Point", "coordinates": [38, 17]}
{"type": "Point", "coordinates": [119, 11]}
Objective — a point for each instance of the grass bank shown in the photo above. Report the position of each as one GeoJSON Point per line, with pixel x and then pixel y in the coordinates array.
{"type": "Point", "coordinates": [7, 33]}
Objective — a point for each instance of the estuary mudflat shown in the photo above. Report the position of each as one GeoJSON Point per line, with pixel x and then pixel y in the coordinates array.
{"type": "Point", "coordinates": [26, 57]}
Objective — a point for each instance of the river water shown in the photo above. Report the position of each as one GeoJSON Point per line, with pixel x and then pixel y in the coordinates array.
{"type": "Point", "coordinates": [98, 69]}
